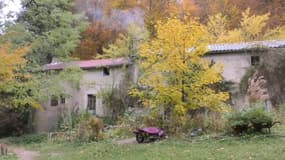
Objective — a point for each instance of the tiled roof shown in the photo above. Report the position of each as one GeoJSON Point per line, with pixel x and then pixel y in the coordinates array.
{"type": "Point", "coordinates": [233, 47]}
{"type": "Point", "coordinates": [88, 63]}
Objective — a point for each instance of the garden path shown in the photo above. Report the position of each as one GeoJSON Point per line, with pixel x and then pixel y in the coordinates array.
{"type": "Point", "coordinates": [127, 141]}
{"type": "Point", "coordinates": [24, 154]}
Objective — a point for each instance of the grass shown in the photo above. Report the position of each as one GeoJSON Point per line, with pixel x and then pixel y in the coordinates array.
{"type": "Point", "coordinates": [259, 147]}
{"type": "Point", "coordinates": [10, 156]}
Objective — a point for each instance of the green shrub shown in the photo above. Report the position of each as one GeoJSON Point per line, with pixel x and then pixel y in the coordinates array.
{"type": "Point", "coordinates": [28, 139]}
{"type": "Point", "coordinates": [259, 115]}
{"type": "Point", "coordinates": [250, 120]}
{"type": "Point", "coordinates": [259, 118]}
{"type": "Point", "coordinates": [238, 122]}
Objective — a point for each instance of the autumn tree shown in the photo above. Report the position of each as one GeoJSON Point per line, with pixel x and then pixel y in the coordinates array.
{"type": "Point", "coordinates": [13, 81]}
{"type": "Point", "coordinates": [127, 45]}
{"type": "Point", "coordinates": [276, 8]}
{"type": "Point", "coordinates": [17, 90]}
{"type": "Point", "coordinates": [251, 28]}
{"type": "Point", "coordinates": [94, 39]}
{"type": "Point", "coordinates": [233, 9]}
{"type": "Point", "coordinates": [173, 73]}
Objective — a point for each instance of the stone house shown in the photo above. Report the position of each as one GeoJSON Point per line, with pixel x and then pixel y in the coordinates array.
{"type": "Point", "coordinates": [237, 59]}
{"type": "Point", "coordinates": [97, 76]}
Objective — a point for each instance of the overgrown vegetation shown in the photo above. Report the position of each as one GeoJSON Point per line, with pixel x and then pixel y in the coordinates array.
{"type": "Point", "coordinates": [244, 81]}
{"type": "Point", "coordinates": [113, 101]}
{"type": "Point", "coordinates": [251, 120]}
{"type": "Point", "coordinates": [78, 126]}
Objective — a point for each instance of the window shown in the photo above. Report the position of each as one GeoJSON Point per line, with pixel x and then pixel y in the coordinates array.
{"type": "Point", "coordinates": [91, 102]}
{"type": "Point", "coordinates": [54, 101]}
{"type": "Point", "coordinates": [62, 99]}
{"type": "Point", "coordinates": [255, 60]}
{"type": "Point", "coordinates": [106, 71]}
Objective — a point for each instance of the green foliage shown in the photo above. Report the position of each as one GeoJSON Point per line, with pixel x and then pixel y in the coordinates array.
{"type": "Point", "coordinates": [259, 116]}
{"type": "Point", "coordinates": [113, 101]}
{"type": "Point", "coordinates": [252, 119]}
{"type": "Point", "coordinates": [51, 28]}
{"type": "Point", "coordinates": [70, 119]}
{"type": "Point", "coordinates": [28, 139]}
{"type": "Point", "coordinates": [54, 82]}
{"type": "Point", "coordinates": [238, 122]}
{"type": "Point", "coordinates": [127, 45]}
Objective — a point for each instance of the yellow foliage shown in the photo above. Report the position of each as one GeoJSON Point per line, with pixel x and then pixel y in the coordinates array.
{"type": "Point", "coordinates": [252, 27]}
{"type": "Point", "coordinates": [217, 26]}
{"type": "Point", "coordinates": [14, 83]}
{"type": "Point", "coordinates": [10, 62]}
{"type": "Point", "coordinates": [173, 72]}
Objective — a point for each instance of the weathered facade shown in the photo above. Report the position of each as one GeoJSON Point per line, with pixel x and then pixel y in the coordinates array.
{"type": "Point", "coordinates": [238, 59]}
{"type": "Point", "coordinates": [98, 75]}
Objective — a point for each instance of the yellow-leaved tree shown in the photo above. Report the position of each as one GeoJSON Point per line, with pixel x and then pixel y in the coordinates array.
{"type": "Point", "coordinates": [173, 73]}
{"type": "Point", "coordinates": [15, 83]}
{"type": "Point", "coordinates": [251, 28]}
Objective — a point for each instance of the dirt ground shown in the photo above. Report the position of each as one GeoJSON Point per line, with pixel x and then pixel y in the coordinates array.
{"type": "Point", "coordinates": [24, 154]}
{"type": "Point", "coordinates": [127, 141]}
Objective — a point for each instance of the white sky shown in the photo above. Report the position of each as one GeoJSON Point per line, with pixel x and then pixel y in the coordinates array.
{"type": "Point", "coordinates": [12, 6]}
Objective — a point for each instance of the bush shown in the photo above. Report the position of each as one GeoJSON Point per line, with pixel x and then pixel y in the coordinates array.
{"type": "Point", "coordinates": [259, 118]}
{"type": "Point", "coordinates": [238, 122]}
{"type": "Point", "coordinates": [90, 130]}
{"type": "Point", "coordinates": [28, 139]}
{"type": "Point", "coordinates": [251, 120]}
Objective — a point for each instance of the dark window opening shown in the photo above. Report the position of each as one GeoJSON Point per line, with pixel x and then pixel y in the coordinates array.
{"type": "Point", "coordinates": [106, 71]}
{"type": "Point", "coordinates": [62, 99]}
{"type": "Point", "coordinates": [91, 102]}
{"type": "Point", "coordinates": [255, 60]}
{"type": "Point", "coordinates": [54, 100]}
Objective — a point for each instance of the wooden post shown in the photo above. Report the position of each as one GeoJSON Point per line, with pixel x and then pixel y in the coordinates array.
{"type": "Point", "coordinates": [4, 149]}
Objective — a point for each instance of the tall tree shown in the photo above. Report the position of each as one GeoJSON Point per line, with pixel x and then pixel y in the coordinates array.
{"type": "Point", "coordinates": [174, 75]}
{"type": "Point", "coordinates": [127, 45]}
{"type": "Point", "coordinates": [15, 84]}
{"type": "Point", "coordinates": [52, 28]}
{"type": "Point", "coordinates": [17, 91]}
{"type": "Point", "coordinates": [94, 39]}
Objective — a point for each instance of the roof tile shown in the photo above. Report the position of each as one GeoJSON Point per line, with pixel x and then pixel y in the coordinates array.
{"type": "Point", "coordinates": [88, 63]}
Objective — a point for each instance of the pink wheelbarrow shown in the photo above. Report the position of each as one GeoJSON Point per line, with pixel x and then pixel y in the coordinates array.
{"type": "Point", "coordinates": [149, 134]}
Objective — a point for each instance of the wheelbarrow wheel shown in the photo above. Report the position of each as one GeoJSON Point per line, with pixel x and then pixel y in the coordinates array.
{"type": "Point", "coordinates": [139, 138]}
